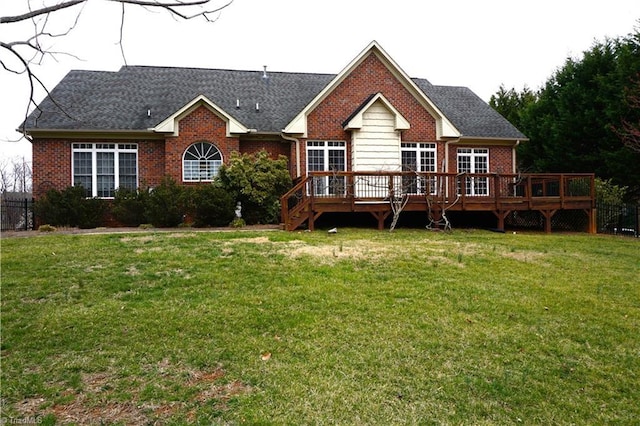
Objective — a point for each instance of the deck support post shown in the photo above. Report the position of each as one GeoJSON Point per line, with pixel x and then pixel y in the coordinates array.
{"type": "Point", "coordinates": [381, 216]}
{"type": "Point", "coordinates": [501, 215]}
{"type": "Point", "coordinates": [548, 214]}
{"type": "Point", "coordinates": [311, 221]}
{"type": "Point", "coordinates": [592, 227]}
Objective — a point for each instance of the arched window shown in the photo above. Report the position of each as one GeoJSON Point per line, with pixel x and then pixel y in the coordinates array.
{"type": "Point", "coordinates": [201, 162]}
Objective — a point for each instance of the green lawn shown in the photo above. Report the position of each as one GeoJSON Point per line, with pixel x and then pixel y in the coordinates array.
{"type": "Point", "coordinates": [360, 327]}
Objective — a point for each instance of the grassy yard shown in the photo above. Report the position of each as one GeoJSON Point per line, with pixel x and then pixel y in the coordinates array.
{"type": "Point", "coordinates": [360, 327]}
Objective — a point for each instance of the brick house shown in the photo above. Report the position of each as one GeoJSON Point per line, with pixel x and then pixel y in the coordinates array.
{"type": "Point", "coordinates": [130, 128]}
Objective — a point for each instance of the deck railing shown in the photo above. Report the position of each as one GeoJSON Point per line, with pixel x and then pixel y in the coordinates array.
{"type": "Point", "coordinates": [495, 191]}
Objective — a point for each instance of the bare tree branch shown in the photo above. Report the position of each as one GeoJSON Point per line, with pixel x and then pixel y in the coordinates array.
{"type": "Point", "coordinates": [38, 12]}
{"type": "Point", "coordinates": [33, 49]}
{"type": "Point", "coordinates": [175, 7]}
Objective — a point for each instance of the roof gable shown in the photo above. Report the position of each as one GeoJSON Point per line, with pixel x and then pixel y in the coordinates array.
{"type": "Point", "coordinates": [444, 129]}
{"type": "Point", "coordinates": [355, 120]}
{"type": "Point", "coordinates": [171, 123]}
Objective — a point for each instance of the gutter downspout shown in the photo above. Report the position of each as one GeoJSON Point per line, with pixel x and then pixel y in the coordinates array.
{"type": "Point", "coordinates": [446, 159]}
{"type": "Point", "coordinates": [513, 154]}
{"type": "Point", "coordinates": [446, 153]}
{"type": "Point", "coordinates": [297, 142]}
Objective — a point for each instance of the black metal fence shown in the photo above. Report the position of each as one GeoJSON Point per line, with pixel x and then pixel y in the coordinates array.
{"type": "Point", "coordinates": [619, 219]}
{"type": "Point", "coordinates": [16, 214]}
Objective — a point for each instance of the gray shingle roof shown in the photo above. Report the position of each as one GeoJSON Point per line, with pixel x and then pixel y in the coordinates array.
{"type": "Point", "coordinates": [102, 100]}
{"type": "Point", "coordinates": [472, 116]}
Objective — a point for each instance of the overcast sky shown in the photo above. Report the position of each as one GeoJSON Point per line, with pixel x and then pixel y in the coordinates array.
{"type": "Point", "coordinates": [473, 43]}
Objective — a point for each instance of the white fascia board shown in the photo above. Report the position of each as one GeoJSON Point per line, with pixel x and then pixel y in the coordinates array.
{"type": "Point", "coordinates": [170, 124]}
{"type": "Point", "coordinates": [401, 123]}
{"type": "Point", "coordinates": [480, 140]}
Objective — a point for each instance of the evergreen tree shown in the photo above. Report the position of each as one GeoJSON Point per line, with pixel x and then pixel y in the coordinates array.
{"type": "Point", "coordinates": [573, 121]}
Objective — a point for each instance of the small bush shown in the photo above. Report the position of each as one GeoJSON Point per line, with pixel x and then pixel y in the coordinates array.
{"type": "Point", "coordinates": [129, 206]}
{"type": "Point", "coordinates": [257, 181]}
{"type": "Point", "coordinates": [165, 204]}
{"type": "Point", "coordinates": [70, 207]}
{"type": "Point", "coordinates": [238, 222]}
{"type": "Point", "coordinates": [47, 228]}
{"type": "Point", "coordinates": [608, 193]}
{"type": "Point", "coordinates": [92, 213]}
{"type": "Point", "coordinates": [212, 206]}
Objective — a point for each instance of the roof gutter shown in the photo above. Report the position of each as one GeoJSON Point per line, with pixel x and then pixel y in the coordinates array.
{"type": "Point", "coordinates": [490, 138]}
{"type": "Point", "coordinates": [92, 134]}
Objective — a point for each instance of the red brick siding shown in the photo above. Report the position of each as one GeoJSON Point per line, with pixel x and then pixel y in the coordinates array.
{"type": "Point", "coordinates": [51, 165]}
{"type": "Point", "coordinates": [500, 158]}
{"type": "Point", "coordinates": [275, 148]}
{"type": "Point", "coordinates": [52, 159]}
{"type": "Point", "coordinates": [200, 125]}
{"type": "Point", "coordinates": [151, 167]}
{"type": "Point", "coordinates": [370, 77]}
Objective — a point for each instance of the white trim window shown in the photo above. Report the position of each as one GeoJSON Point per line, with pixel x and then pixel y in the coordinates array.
{"type": "Point", "coordinates": [419, 158]}
{"type": "Point", "coordinates": [327, 156]}
{"type": "Point", "coordinates": [101, 168]}
{"type": "Point", "coordinates": [474, 160]}
{"type": "Point", "coordinates": [201, 162]}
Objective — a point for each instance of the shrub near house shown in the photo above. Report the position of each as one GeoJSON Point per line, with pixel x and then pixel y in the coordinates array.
{"type": "Point", "coordinates": [256, 181]}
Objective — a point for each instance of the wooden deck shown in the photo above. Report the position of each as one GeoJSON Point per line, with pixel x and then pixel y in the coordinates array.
{"type": "Point", "coordinates": [436, 193]}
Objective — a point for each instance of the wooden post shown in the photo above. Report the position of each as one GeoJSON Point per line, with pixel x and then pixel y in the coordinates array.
{"type": "Point", "coordinates": [311, 204]}
{"type": "Point", "coordinates": [562, 185]}
{"type": "Point", "coordinates": [592, 227]}
{"type": "Point", "coordinates": [496, 192]}
{"type": "Point", "coordinates": [381, 216]}
{"type": "Point", "coordinates": [548, 214]}
{"type": "Point", "coordinates": [351, 190]}
{"type": "Point", "coordinates": [501, 215]}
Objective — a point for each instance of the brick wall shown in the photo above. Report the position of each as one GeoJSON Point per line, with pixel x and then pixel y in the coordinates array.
{"type": "Point", "coordinates": [500, 158]}
{"type": "Point", "coordinates": [156, 158]}
{"type": "Point", "coordinates": [52, 162]}
{"type": "Point", "coordinates": [51, 165]}
{"type": "Point", "coordinates": [369, 77]}
{"type": "Point", "coordinates": [275, 148]}
{"type": "Point", "coordinates": [201, 125]}
{"type": "Point", "coordinates": [151, 164]}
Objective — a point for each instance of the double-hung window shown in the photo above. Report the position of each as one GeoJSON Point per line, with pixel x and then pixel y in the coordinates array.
{"type": "Point", "coordinates": [101, 168]}
{"type": "Point", "coordinates": [418, 158]}
{"type": "Point", "coordinates": [327, 156]}
{"type": "Point", "coordinates": [474, 160]}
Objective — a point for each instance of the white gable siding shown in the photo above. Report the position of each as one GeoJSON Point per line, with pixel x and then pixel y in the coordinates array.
{"type": "Point", "coordinates": [376, 146]}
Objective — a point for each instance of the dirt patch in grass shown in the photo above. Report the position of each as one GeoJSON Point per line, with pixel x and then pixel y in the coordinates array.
{"type": "Point", "coordinates": [96, 403]}
{"type": "Point", "coordinates": [525, 256]}
{"type": "Point", "coordinates": [116, 412]}
{"type": "Point", "coordinates": [143, 239]}
{"type": "Point", "coordinates": [255, 240]}
{"type": "Point", "coordinates": [329, 253]}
